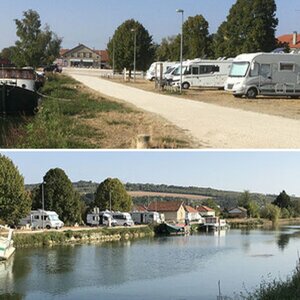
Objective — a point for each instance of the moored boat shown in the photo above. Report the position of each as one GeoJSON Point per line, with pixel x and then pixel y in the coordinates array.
{"type": "Point", "coordinates": [6, 244]}
{"type": "Point", "coordinates": [172, 229]}
{"type": "Point", "coordinates": [18, 91]}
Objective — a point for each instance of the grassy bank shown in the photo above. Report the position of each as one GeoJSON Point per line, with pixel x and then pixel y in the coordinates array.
{"type": "Point", "coordinates": [49, 238]}
{"type": "Point", "coordinates": [72, 116]}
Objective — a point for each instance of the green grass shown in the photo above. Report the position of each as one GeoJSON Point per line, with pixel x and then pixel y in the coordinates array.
{"type": "Point", "coordinates": [278, 289]}
{"type": "Point", "coordinates": [57, 125]}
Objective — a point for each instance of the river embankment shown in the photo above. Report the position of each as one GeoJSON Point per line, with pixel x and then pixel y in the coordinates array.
{"type": "Point", "coordinates": [80, 236]}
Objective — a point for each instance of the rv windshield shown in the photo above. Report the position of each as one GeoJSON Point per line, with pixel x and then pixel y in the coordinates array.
{"type": "Point", "coordinates": [53, 217]}
{"type": "Point", "coordinates": [170, 70]}
{"type": "Point", "coordinates": [177, 71]}
{"type": "Point", "coordinates": [239, 69]}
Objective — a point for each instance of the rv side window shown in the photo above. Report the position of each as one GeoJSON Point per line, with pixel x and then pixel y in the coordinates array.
{"type": "Point", "coordinates": [187, 71]}
{"type": "Point", "coordinates": [195, 70]}
{"type": "Point", "coordinates": [36, 217]}
{"type": "Point", "coordinates": [254, 70]}
{"type": "Point", "coordinates": [287, 67]}
{"type": "Point", "coordinates": [206, 69]}
{"type": "Point", "coordinates": [265, 70]}
{"type": "Point", "coordinates": [216, 69]}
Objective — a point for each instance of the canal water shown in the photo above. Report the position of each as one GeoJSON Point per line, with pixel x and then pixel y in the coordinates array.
{"type": "Point", "coordinates": [180, 267]}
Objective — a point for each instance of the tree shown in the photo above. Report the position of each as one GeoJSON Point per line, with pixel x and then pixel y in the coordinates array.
{"type": "Point", "coordinates": [112, 191]}
{"type": "Point", "coordinates": [59, 196]}
{"type": "Point", "coordinates": [169, 49]}
{"type": "Point", "coordinates": [253, 209]}
{"type": "Point", "coordinates": [212, 204]}
{"type": "Point", "coordinates": [271, 212]}
{"type": "Point", "coordinates": [7, 53]}
{"type": "Point", "coordinates": [122, 46]}
{"type": "Point", "coordinates": [35, 47]}
{"type": "Point", "coordinates": [283, 200]}
{"type": "Point", "coordinates": [245, 199]}
{"type": "Point", "coordinates": [196, 37]}
{"type": "Point", "coordinates": [250, 27]}
{"type": "Point", "coordinates": [15, 202]}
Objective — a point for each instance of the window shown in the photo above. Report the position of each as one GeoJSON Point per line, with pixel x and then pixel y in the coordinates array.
{"type": "Point", "coordinates": [206, 69]}
{"type": "Point", "coordinates": [239, 69]}
{"type": "Point", "coordinates": [265, 70]}
{"type": "Point", "coordinates": [254, 70]}
{"type": "Point", "coordinates": [36, 217]}
{"type": "Point", "coordinates": [187, 71]}
{"type": "Point", "coordinates": [195, 71]}
{"type": "Point", "coordinates": [286, 67]}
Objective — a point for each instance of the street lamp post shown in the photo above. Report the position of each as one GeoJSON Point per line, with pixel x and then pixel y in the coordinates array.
{"type": "Point", "coordinates": [43, 204]}
{"type": "Point", "coordinates": [134, 55]}
{"type": "Point", "coordinates": [181, 11]}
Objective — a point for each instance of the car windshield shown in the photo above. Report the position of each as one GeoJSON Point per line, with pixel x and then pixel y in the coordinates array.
{"type": "Point", "coordinates": [239, 69]}
{"type": "Point", "coordinates": [53, 217]}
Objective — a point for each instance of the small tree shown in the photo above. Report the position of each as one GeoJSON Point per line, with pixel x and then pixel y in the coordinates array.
{"type": "Point", "coordinates": [271, 212]}
{"type": "Point", "coordinates": [169, 49]}
{"type": "Point", "coordinates": [122, 46]}
{"type": "Point", "coordinates": [15, 202]}
{"type": "Point", "coordinates": [283, 200]}
{"type": "Point", "coordinates": [111, 192]}
{"type": "Point", "coordinates": [253, 209]}
{"type": "Point", "coordinates": [35, 46]}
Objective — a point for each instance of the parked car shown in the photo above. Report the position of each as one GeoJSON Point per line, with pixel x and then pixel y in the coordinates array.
{"type": "Point", "coordinates": [53, 68]}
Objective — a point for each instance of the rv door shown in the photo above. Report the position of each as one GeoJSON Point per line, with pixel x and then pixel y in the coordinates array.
{"type": "Point", "coordinates": [266, 78]}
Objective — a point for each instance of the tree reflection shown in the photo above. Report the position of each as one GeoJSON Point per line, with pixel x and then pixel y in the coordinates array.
{"type": "Point", "coordinates": [283, 241]}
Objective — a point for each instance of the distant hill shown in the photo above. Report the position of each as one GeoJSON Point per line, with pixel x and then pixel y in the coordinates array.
{"type": "Point", "coordinates": [145, 193]}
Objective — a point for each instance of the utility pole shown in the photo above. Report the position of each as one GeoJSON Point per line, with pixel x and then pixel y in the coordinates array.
{"type": "Point", "coordinates": [43, 204]}
{"type": "Point", "coordinates": [181, 11]}
{"type": "Point", "coordinates": [134, 55]}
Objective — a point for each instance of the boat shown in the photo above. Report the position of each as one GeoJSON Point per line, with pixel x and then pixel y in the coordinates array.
{"type": "Point", "coordinates": [18, 93]}
{"type": "Point", "coordinates": [172, 229]}
{"type": "Point", "coordinates": [6, 244]}
{"type": "Point", "coordinates": [214, 224]}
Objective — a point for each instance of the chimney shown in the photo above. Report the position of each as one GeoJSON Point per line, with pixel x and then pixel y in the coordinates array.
{"type": "Point", "coordinates": [295, 38]}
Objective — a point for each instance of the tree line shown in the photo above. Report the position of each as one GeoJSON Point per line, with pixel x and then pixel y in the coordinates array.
{"type": "Point", "coordinates": [56, 193]}
{"type": "Point", "coordinates": [250, 26]}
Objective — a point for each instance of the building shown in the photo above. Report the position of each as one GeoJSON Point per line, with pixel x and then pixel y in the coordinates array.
{"type": "Point", "coordinates": [191, 214]}
{"type": "Point", "coordinates": [293, 40]}
{"type": "Point", "coordinates": [83, 57]}
{"type": "Point", "coordinates": [139, 208]}
{"type": "Point", "coordinates": [238, 212]}
{"type": "Point", "coordinates": [173, 210]}
{"type": "Point", "coordinates": [206, 211]}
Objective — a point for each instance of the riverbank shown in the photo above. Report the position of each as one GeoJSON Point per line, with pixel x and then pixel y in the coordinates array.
{"type": "Point", "coordinates": [80, 236]}
{"type": "Point", "coordinates": [72, 116]}
{"type": "Point", "coordinates": [257, 222]}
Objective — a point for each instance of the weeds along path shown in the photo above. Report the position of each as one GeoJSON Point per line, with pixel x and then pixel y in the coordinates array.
{"type": "Point", "coordinates": [211, 125]}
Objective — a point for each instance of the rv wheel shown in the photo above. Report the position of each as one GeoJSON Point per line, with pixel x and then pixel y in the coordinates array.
{"type": "Point", "coordinates": [48, 227]}
{"type": "Point", "coordinates": [185, 85]}
{"type": "Point", "coordinates": [251, 93]}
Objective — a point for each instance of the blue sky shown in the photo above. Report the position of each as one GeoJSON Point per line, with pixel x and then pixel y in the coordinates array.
{"type": "Point", "coordinates": [266, 172]}
{"type": "Point", "coordinates": [92, 22]}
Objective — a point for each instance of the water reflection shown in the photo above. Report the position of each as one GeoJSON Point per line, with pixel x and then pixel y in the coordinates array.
{"type": "Point", "coordinates": [283, 240]}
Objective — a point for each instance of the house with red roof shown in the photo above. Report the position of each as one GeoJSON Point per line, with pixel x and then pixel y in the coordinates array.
{"type": "Point", "coordinates": [192, 214]}
{"type": "Point", "coordinates": [206, 211]}
{"type": "Point", "coordinates": [293, 40]}
{"type": "Point", "coordinates": [173, 211]}
{"type": "Point", "coordinates": [139, 208]}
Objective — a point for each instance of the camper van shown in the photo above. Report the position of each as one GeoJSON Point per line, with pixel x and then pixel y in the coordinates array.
{"type": "Point", "coordinates": [146, 217]}
{"type": "Point", "coordinates": [156, 66]}
{"type": "Point", "coordinates": [202, 73]}
{"type": "Point", "coordinates": [123, 219]}
{"type": "Point", "coordinates": [102, 218]}
{"type": "Point", "coordinates": [268, 74]}
{"type": "Point", "coordinates": [42, 219]}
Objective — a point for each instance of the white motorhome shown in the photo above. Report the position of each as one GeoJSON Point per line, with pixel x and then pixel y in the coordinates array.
{"type": "Point", "coordinates": [102, 218]}
{"type": "Point", "coordinates": [269, 74]}
{"type": "Point", "coordinates": [156, 66]}
{"type": "Point", "coordinates": [42, 219]}
{"type": "Point", "coordinates": [202, 73]}
{"type": "Point", "coordinates": [146, 217]}
{"type": "Point", "coordinates": [123, 219]}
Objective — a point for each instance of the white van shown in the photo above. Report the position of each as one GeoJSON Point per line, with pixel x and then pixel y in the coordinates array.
{"type": "Point", "coordinates": [269, 74]}
{"type": "Point", "coordinates": [156, 66]}
{"type": "Point", "coordinates": [42, 219]}
{"type": "Point", "coordinates": [147, 217]}
{"type": "Point", "coordinates": [202, 73]}
{"type": "Point", "coordinates": [123, 219]}
{"type": "Point", "coordinates": [102, 218]}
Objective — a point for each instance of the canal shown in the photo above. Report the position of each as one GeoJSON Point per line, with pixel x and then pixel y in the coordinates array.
{"type": "Point", "coordinates": [180, 267]}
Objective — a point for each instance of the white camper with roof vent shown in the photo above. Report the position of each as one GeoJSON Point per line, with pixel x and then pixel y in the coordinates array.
{"type": "Point", "coordinates": [268, 74]}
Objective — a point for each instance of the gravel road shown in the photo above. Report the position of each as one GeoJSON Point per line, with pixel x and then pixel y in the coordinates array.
{"type": "Point", "coordinates": [211, 125]}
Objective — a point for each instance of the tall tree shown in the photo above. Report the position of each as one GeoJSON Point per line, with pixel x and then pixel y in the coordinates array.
{"type": "Point", "coordinates": [283, 200]}
{"type": "Point", "coordinates": [36, 46]}
{"type": "Point", "coordinates": [59, 196]}
{"type": "Point", "coordinates": [7, 53]}
{"type": "Point", "coordinates": [250, 27]}
{"type": "Point", "coordinates": [112, 191]}
{"type": "Point", "coordinates": [196, 37]}
{"type": "Point", "coordinates": [15, 202]}
{"type": "Point", "coordinates": [121, 46]}
{"type": "Point", "coordinates": [169, 49]}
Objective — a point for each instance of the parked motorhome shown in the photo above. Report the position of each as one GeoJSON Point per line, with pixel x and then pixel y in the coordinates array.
{"type": "Point", "coordinates": [147, 217]}
{"type": "Point", "coordinates": [268, 74]}
{"type": "Point", "coordinates": [42, 219]}
{"type": "Point", "coordinates": [156, 66]}
{"type": "Point", "coordinates": [123, 219]}
{"type": "Point", "coordinates": [102, 218]}
{"type": "Point", "coordinates": [202, 73]}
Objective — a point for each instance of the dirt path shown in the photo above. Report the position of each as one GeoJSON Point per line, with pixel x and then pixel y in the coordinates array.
{"type": "Point", "coordinates": [213, 126]}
